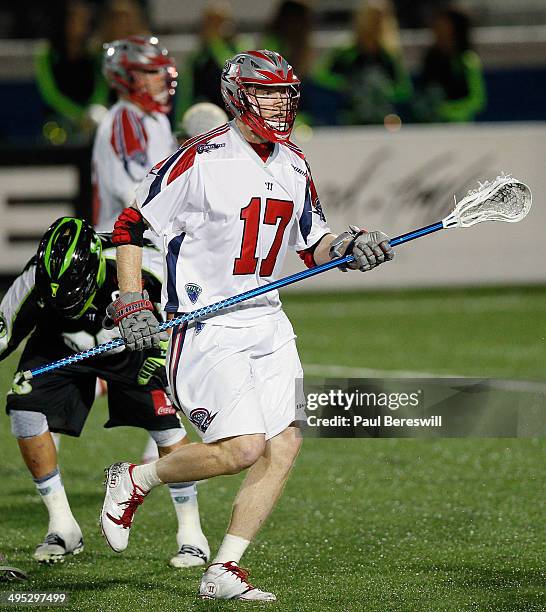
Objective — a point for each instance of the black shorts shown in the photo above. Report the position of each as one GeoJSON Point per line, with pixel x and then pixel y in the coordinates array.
{"type": "Point", "coordinates": [65, 396]}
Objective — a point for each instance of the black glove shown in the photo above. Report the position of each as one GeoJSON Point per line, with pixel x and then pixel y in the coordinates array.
{"type": "Point", "coordinates": [133, 313]}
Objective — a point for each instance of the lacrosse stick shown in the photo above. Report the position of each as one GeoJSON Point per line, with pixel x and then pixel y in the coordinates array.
{"type": "Point", "coordinates": [504, 199]}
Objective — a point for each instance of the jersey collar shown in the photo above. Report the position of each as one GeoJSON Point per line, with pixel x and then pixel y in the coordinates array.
{"type": "Point", "coordinates": [250, 151]}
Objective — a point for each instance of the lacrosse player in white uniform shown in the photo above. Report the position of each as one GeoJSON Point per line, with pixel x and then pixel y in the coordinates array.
{"type": "Point", "coordinates": [135, 134]}
{"type": "Point", "coordinates": [229, 205]}
{"type": "Point", "coordinates": [198, 119]}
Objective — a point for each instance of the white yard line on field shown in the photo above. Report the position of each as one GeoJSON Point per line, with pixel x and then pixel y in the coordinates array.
{"type": "Point", "coordinates": [339, 371]}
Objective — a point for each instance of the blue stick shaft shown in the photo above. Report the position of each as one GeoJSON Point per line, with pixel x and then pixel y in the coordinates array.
{"type": "Point", "coordinates": [231, 301]}
{"type": "Point", "coordinates": [423, 231]}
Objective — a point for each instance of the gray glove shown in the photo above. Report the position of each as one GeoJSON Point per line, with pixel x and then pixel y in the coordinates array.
{"type": "Point", "coordinates": [133, 313]}
{"type": "Point", "coordinates": [368, 248]}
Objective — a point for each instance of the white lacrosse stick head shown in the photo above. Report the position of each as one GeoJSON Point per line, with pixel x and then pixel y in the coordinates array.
{"type": "Point", "coordinates": [504, 199]}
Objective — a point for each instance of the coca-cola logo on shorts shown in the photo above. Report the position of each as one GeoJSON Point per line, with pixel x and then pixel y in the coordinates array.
{"type": "Point", "coordinates": [162, 404]}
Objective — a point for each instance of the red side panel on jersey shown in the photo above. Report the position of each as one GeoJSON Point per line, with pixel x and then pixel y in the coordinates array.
{"type": "Point", "coordinates": [129, 138]}
{"type": "Point", "coordinates": [184, 163]}
{"type": "Point", "coordinates": [190, 148]}
{"type": "Point", "coordinates": [159, 164]}
{"type": "Point", "coordinates": [178, 163]}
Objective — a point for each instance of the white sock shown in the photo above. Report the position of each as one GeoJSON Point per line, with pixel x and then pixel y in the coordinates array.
{"type": "Point", "coordinates": [232, 549]}
{"type": "Point", "coordinates": [145, 476]}
{"type": "Point", "coordinates": [52, 493]}
{"type": "Point", "coordinates": [184, 496]}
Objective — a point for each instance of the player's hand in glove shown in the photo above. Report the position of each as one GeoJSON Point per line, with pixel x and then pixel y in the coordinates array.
{"type": "Point", "coordinates": [368, 248]}
{"type": "Point", "coordinates": [133, 313]}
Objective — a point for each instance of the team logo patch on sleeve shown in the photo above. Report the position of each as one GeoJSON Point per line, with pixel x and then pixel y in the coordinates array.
{"type": "Point", "coordinates": [206, 147]}
{"type": "Point", "coordinates": [201, 418]}
{"type": "Point", "coordinates": [193, 291]}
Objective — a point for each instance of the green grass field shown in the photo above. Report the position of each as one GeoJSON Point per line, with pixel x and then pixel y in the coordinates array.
{"type": "Point", "coordinates": [363, 524]}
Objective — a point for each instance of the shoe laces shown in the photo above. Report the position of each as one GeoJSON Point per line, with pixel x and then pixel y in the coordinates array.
{"type": "Point", "coordinates": [131, 506]}
{"type": "Point", "coordinates": [241, 573]}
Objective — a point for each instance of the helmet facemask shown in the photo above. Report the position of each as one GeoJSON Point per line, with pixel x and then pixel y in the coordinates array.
{"type": "Point", "coordinates": [270, 111]}
{"type": "Point", "coordinates": [142, 71]}
{"type": "Point", "coordinates": [261, 89]}
{"type": "Point", "coordinates": [153, 90]}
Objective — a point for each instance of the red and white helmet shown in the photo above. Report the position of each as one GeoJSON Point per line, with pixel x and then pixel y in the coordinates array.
{"type": "Point", "coordinates": [268, 116]}
{"type": "Point", "coordinates": [125, 62]}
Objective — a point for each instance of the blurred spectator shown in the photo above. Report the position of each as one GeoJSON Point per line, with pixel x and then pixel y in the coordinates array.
{"type": "Point", "coordinates": [368, 74]}
{"type": "Point", "coordinates": [68, 74]}
{"type": "Point", "coordinates": [201, 74]}
{"type": "Point", "coordinates": [417, 13]}
{"type": "Point", "coordinates": [289, 34]}
{"type": "Point", "coordinates": [121, 19]}
{"type": "Point", "coordinates": [452, 86]}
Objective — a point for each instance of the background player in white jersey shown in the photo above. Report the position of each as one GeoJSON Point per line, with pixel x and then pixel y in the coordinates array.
{"type": "Point", "coordinates": [229, 204]}
{"type": "Point", "coordinates": [136, 133]}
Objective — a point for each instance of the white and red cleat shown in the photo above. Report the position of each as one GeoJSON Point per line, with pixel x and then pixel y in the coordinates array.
{"type": "Point", "coordinates": [122, 499]}
{"type": "Point", "coordinates": [229, 581]}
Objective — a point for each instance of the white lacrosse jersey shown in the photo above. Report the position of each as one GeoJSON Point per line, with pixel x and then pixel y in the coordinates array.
{"type": "Point", "coordinates": [227, 220]}
{"type": "Point", "coordinates": [127, 144]}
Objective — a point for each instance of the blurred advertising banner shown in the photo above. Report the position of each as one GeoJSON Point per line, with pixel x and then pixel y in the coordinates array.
{"type": "Point", "coordinates": [37, 186]}
{"type": "Point", "coordinates": [397, 181]}
{"type": "Point", "coordinates": [394, 180]}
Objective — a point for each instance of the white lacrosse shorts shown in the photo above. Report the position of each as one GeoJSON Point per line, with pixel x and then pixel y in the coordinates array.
{"type": "Point", "coordinates": [231, 381]}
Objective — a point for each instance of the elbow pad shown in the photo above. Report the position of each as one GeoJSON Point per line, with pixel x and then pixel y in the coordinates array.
{"type": "Point", "coordinates": [129, 228]}
{"type": "Point", "coordinates": [308, 258]}
{"type": "Point", "coordinates": [308, 255]}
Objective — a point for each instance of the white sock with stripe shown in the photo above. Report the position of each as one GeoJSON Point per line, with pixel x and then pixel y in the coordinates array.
{"type": "Point", "coordinates": [52, 493]}
{"type": "Point", "coordinates": [184, 497]}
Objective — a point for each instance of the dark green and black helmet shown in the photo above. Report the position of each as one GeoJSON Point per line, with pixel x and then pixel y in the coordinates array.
{"type": "Point", "coordinates": [70, 266]}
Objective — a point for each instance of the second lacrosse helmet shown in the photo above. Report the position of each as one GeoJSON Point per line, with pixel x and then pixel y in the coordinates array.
{"type": "Point", "coordinates": [70, 267]}
{"type": "Point", "coordinates": [128, 61]}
